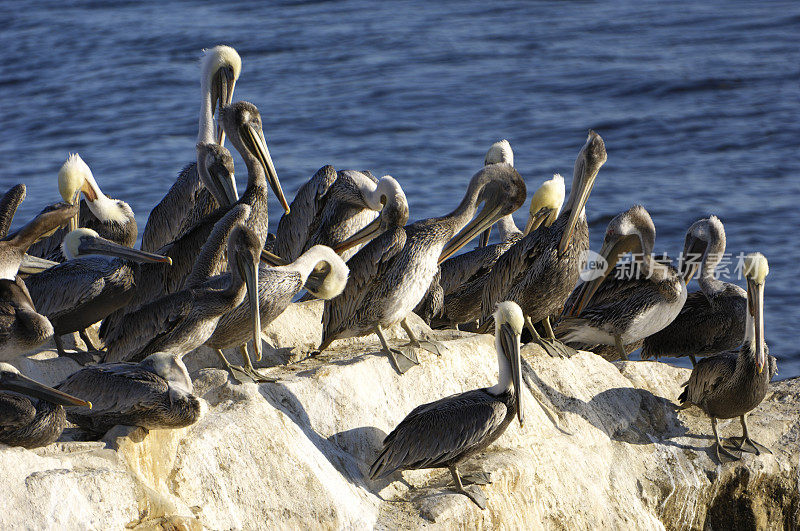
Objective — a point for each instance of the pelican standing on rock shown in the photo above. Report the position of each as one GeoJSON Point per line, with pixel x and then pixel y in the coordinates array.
{"type": "Point", "coordinates": [445, 433]}
{"type": "Point", "coordinates": [182, 321]}
{"type": "Point", "coordinates": [154, 394]}
{"type": "Point", "coordinates": [31, 414]}
{"type": "Point", "coordinates": [187, 201]}
{"type": "Point", "coordinates": [112, 219]}
{"type": "Point", "coordinates": [732, 384]}
{"type": "Point", "coordinates": [539, 271]}
{"type": "Point", "coordinates": [88, 286]}
{"type": "Point", "coordinates": [391, 274]}
{"type": "Point", "coordinates": [712, 320]}
{"type": "Point", "coordinates": [642, 306]}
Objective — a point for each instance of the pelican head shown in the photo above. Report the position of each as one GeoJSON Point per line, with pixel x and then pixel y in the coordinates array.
{"type": "Point", "coordinates": [83, 241]}
{"type": "Point", "coordinates": [170, 367]}
{"type": "Point", "coordinates": [244, 253]}
{"type": "Point", "coordinates": [756, 269]}
{"type": "Point", "coordinates": [499, 152]}
{"type": "Point", "coordinates": [546, 204]}
{"type": "Point", "coordinates": [242, 122]}
{"type": "Point", "coordinates": [632, 231]}
{"type": "Point", "coordinates": [591, 157]}
{"type": "Point", "coordinates": [75, 177]}
{"type": "Point", "coordinates": [508, 323]}
{"type": "Point", "coordinates": [14, 247]}
{"type": "Point", "coordinates": [12, 380]}
{"type": "Point", "coordinates": [215, 168]}
{"type": "Point", "coordinates": [501, 190]}
{"type": "Point", "coordinates": [221, 66]}
{"type": "Point", "coordinates": [394, 213]}
{"type": "Point", "coordinates": [703, 236]}
{"type": "Point", "coordinates": [325, 271]}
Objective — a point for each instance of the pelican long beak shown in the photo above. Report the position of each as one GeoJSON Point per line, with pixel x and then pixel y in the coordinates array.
{"type": "Point", "coordinates": [611, 252]}
{"type": "Point", "coordinates": [689, 270]}
{"type": "Point", "coordinates": [24, 385]}
{"type": "Point", "coordinates": [755, 305]}
{"type": "Point", "coordinates": [272, 259]}
{"type": "Point", "coordinates": [509, 342]}
{"type": "Point", "coordinates": [484, 240]}
{"type": "Point", "coordinates": [75, 221]}
{"type": "Point", "coordinates": [224, 184]}
{"type": "Point", "coordinates": [542, 216]}
{"type": "Point", "coordinates": [256, 137]}
{"type": "Point", "coordinates": [575, 214]}
{"type": "Point", "coordinates": [251, 279]}
{"type": "Point", "coordinates": [225, 85]}
{"type": "Point", "coordinates": [31, 265]}
{"type": "Point", "coordinates": [92, 245]}
{"type": "Point", "coordinates": [487, 217]}
{"type": "Point", "coordinates": [371, 231]}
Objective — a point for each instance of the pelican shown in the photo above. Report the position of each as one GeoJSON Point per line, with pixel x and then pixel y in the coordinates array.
{"type": "Point", "coordinates": [187, 201]}
{"type": "Point", "coordinates": [31, 414]}
{"type": "Point", "coordinates": [445, 433]}
{"type": "Point", "coordinates": [540, 270]}
{"type": "Point", "coordinates": [331, 207]}
{"type": "Point", "coordinates": [277, 286]}
{"type": "Point", "coordinates": [154, 394]}
{"type": "Point", "coordinates": [391, 274]}
{"type": "Point", "coordinates": [21, 327]}
{"type": "Point", "coordinates": [642, 306]}
{"type": "Point", "coordinates": [88, 286]}
{"type": "Point", "coordinates": [182, 321]}
{"type": "Point", "coordinates": [464, 277]}
{"type": "Point", "coordinates": [712, 320]}
{"type": "Point", "coordinates": [112, 219]}
{"type": "Point", "coordinates": [732, 384]}
{"type": "Point", "coordinates": [9, 204]}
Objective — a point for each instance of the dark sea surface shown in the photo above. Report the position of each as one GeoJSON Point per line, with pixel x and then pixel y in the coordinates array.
{"type": "Point", "coordinates": [698, 103]}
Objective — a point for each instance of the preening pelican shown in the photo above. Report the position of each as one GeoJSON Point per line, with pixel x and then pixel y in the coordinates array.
{"type": "Point", "coordinates": [182, 321]}
{"type": "Point", "coordinates": [445, 433]}
{"type": "Point", "coordinates": [277, 286]}
{"type": "Point", "coordinates": [391, 274]}
{"type": "Point", "coordinates": [642, 305]}
{"type": "Point", "coordinates": [187, 202]}
{"type": "Point", "coordinates": [31, 414]}
{"type": "Point", "coordinates": [733, 384]}
{"type": "Point", "coordinates": [351, 199]}
{"type": "Point", "coordinates": [88, 286]}
{"type": "Point", "coordinates": [154, 394]}
{"type": "Point", "coordinates": [540, 270]}
{"type": "Point", "coordinates": [112, 219]}
{"type": "Point", "coordinates": [713, 320]}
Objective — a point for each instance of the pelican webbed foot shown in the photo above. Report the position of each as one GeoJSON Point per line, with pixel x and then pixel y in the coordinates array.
{"type": "Point", "coordinates": [739, 442]}
{"type": "Point", "coordinates": [473, 492]}
{"type": "Point", "coordinates": [434, 347]}
{"type": "Point", "coordinates": [553, 347]}
{"type": "Point", "coordinates": [246, 374]}
{"type": "Point", "coordinates": [403, 360]}
{"type": "Point", "coordinates": [479, 478]}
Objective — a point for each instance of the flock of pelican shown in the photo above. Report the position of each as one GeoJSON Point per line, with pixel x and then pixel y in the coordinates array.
{"type": "Point", "coordinates": [210, 273]}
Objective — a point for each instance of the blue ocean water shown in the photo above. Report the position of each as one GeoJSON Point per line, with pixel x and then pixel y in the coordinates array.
{"type": "Point", "coordinates": [698, 103]}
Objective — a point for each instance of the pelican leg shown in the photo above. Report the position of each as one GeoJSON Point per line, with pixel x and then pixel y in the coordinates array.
{"type": "Point", "coordinates": [81, 357]}
{"type": "Point", "coordinates": [739, 442]}
{"type": "Point", "coordinates": [566, 350]}
{"type": "Point", "coordinates": [403, 361]}
{"type": "Point", "coordinates": [59, 345]}
{"type": "Point", "coordinates": [546, 346]}
{"type": "Point", "coordinates": [431, 346]}
{"type": "Point", "coordinates": [251, 371]}
{"type": "Point", "coordinates": [87, 340]}
{"type": "Point", "coordinates": [620, 347]}
{"type": "Point", "coordinates": [693, 360]}
{"type": "Point", "coordinates": [246, 374]}
{"type": "Point", "coordinates": [718, 445]}
{"type": "Point", "coordinates": [473, 492]}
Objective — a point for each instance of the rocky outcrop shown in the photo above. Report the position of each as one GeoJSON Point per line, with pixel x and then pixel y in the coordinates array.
{"type": "Point", "coordinates": [609, 450]}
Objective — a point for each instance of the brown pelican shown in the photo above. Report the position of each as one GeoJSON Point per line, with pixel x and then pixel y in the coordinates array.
{"type": "Point", "coordinates": [86, 287]}
{"type": "Point", "coordinates": [182, 321]}
{"type": "Point", "coordinates": [445, 433]}
{"type": "Point", "coordinates": [21, 327]}
{"type": "Point", "coordinates": [539, 271]}
{"type": "Point", "coordinates": [277, 286]}
{"type": "Point", "coordinates": [732, 384]}
{"type": "Point", "coordinates": [642, 306]}
{"type": "Point", "coordinates": [31, 414]}
{"type": "Point", "coordinates": [712, 320]}
{"type": "Point", "coordinates": [464, 277]}
{"type": "Point", "coordinates": [391, 274]}
{"type": "Point", "coordinates": [9, 204]}
{"type": "Point", "coordinates": [112, 219]}
{"type": "Point", "coordinates": [331, 207]}
{"type": "Point", "coordinates": [156, 393]}
{"type": "Point", "coordinates": [187, 202]}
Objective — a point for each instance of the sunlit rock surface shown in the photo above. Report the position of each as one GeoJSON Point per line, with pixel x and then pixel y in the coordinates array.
{"type": "Point", "coordinates": [614, 454]}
